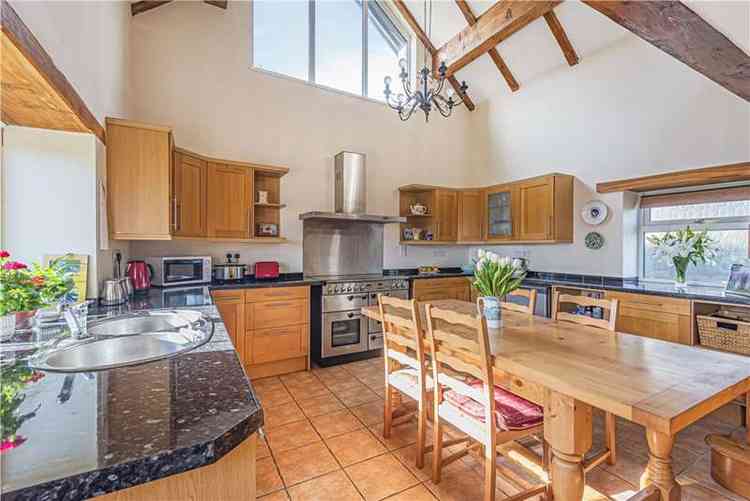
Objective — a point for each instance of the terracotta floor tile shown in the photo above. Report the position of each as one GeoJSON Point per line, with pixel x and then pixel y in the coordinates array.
{"type": "Point", "coordinates": [291, 436]}
{"type": "Point", "coordinates": [319, 406]}
{"type": "Point", "coordinates": [267, 383]}
{"type": "Point", "coordinates": [370, 413]}
{"type": "Point", "coordinates": [693, 491]}
{"type": "Point", "coordinates": [606, 483]}
{"type": "Point", "coordinates": [262, 450]}
{"type": "Point", "coordinates": [281, 415]}
{"type": "Point", "coordinates": [380, 477]}
{"type": "Point", "coordinates": [345, 385]}
{"type": "Point", "coordinates": [355, 446]}
{"type": "Point", "coordinates": [401, 436]}
{"type": "Point", "coordinates": [458, 484]}
{"type": "Point", "coordinates": [267, 477]}
{"type": "Point", "coordinates": [310, 391]}
{"type": "Point", "coordinates": [276, 496]}
{"type": "Point", "coordinates": [700, 472]}
{"type": "Point", "coordinates": [304, 463]}
{"type": "Point", "coordinates": [355, 397]}
{"type": "Point", "coordinates": [408, 457]}
{"type": "Point", "coordinates": [334, 486]}
{"type": "Point", "coordinates": [273, 397]}
{"type": "Point", "coordinates": [417, 493]}
{"type": "Point", "coordinates": [337, 423]}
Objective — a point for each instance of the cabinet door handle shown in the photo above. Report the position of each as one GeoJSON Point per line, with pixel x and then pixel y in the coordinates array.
{"type": "Point", "coordinates": [174, 214]}
{"type": "Point", "coordinates": [179, 216]}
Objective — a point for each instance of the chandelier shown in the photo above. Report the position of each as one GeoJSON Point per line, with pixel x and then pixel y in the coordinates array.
{"type": "Point", "coordinates": [428, 92]}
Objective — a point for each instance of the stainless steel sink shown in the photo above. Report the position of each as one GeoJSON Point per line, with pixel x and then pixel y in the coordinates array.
{"type": "Point", "coordinates": [127, 340]}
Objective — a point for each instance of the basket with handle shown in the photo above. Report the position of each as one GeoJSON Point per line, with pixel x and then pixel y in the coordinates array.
{"type": "Point", "coordinates": [724, 334]}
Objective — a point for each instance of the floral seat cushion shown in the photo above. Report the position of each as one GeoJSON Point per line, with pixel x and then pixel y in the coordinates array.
{"type": "Point", "coordinates": [511, 411]}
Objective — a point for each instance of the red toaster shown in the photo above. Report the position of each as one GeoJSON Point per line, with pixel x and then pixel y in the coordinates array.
{"type": "Point", "coordinates": [267, 269]}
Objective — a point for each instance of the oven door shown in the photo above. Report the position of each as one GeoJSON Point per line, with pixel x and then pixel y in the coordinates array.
{"type": "Point", "coordinates": [375, 326]}
{"type": "Point", "coordinates": [185, 296]}
{"type": "Point", "coordinates": [344, 332]}
{"type": "Point", "coordinates": [183, 271]}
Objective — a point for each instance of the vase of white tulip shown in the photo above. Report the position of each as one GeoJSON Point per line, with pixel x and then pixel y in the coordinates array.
{"type": "Point", "coordinates": [682, 248]}
{"type": "Point", "coordinates": [495, 277]}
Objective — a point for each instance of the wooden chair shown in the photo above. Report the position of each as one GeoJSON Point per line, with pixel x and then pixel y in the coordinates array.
{"type": "Point", "coordinates": [405, 367]}
{"type": "Point", "coordinates": [529, 294]}
{"type": "Point", "coordinates": [459, 343]}
{"type": "Point", "coordinates": [610, 306]}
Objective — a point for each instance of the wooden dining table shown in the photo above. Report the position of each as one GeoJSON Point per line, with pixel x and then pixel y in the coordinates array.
{"type": "Point", "coordinates": [569, 369]}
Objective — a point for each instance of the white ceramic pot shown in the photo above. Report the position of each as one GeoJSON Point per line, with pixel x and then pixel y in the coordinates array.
{"type": "Point", "coordinates": [492, 312]}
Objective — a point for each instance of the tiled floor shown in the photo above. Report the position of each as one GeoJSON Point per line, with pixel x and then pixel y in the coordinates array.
{"type": "Point", "coordinates": [325, 443]}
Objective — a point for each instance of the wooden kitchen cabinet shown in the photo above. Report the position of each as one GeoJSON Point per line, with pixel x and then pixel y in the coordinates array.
{"type": "Point", "coordinates": [470, 215]}
{"type": "Point", "coordinates": [189, 194]}
{"type": "Point", "coordinates": [231, 306]}
{"type": "Point", "coordinates": [500, 204]}
{"type": "Point", "coordinates": [446, 213]}
{"type": "Point", "coordinates": [230, 201]}
{"type": "Point", "coordinates": [545, 209]}
{"type": "Point", "coordinates": [432, 289]}
{"type": "Point", "coordinates": [139, 171]}
{"type": "Point", "coordinates": [658, 317]}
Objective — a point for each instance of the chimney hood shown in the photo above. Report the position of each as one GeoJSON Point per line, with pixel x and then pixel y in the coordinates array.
{"type": "Point", "coordinates": [350, 193]}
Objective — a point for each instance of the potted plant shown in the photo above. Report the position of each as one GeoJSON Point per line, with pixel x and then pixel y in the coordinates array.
{"type": "Point", "coordinates": [683, 247]}
{"type": "Point", "coordinates": [25, 289]}
{"type": "Point", "coordinates": [495, 277]}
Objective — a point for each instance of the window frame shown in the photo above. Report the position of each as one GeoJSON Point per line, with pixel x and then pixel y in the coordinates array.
{"type": "Point", "coordinates": [312, 8]}
{"type": "Point", "coordinates": [646, 225]}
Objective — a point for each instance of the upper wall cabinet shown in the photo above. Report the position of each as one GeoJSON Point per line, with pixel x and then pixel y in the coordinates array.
{"type": "Point", "coordinates": [159, 192]}
{"type": "Point", "coordinates": [139, 174]}
{"type": "Point", "coordinates": [537, 210]}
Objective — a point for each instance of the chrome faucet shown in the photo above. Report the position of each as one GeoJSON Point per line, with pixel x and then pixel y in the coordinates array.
{"type": "Point", "coordinates": [75, 317]}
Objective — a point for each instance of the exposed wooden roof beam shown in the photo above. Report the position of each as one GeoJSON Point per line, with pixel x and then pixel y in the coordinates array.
{"type": "Point", "coordinates": [494, 54]}
{"type": "Point", "coordinates": [680, 179]}
{"type": "Point", "coordinates": [146, 5]}
{"type": "Point", "coordinates": [562, 38]}
{"type": "Point", "coordinates": [672, 27]}
{"type": "Point", "coordinates": [497, 24]}
{"type": "Point", "coordinates": [35, 93]}
{"type": "Point", "coordinates": [222, 4]}
{"type": "Point", "coordinates": [422, 36]}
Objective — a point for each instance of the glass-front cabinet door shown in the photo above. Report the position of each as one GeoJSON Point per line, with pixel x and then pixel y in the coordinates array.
{"type": "Point", "coordinates": [500, 214]}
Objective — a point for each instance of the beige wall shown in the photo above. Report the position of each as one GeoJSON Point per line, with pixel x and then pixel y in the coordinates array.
{"type": "Point", "coordinates": [191, 70]}
{"type": "Point", "coordinates": [626, 110]}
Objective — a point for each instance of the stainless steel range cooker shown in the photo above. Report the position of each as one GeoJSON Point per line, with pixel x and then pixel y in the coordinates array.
{"type": "Point", "coordinates": [345, 331]}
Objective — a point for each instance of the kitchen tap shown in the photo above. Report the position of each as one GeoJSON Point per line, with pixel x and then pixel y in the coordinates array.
{"type": "Point", "coordinates": [75, 317]}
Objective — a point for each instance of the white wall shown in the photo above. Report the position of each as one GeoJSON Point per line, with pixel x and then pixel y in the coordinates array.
{"type": "Point", "coordinates": [191, 71]}
{"type": "Point", "coordinates": [626, 110]}
{"type": "Point", "coordinates": [49, 195]}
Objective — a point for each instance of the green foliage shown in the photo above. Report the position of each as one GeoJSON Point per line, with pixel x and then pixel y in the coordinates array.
{"type": "Point", "coordinates": [25, 289]}
{"type": "Point", "coordinates": [496, 276]}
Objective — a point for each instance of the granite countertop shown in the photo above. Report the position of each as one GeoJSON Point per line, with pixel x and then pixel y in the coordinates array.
{"type": "Point", "coordinates": [85, 434]}
{"type": "Point", "coordinates": [250, 282]}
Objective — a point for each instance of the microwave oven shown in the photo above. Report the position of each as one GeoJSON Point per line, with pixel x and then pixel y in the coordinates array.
{"type": "Point", "coordinates": [179, 270]}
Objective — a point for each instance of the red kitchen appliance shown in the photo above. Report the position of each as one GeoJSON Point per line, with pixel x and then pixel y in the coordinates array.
{"type": "Point", "coordinates": [267, 269]}
{"type": "Point", "coordinates": [140, 273]}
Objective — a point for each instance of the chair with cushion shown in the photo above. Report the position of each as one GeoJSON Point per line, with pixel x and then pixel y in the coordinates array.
{"type": "Point", "coordinates": [467, 399]}
{"type": "Point", "coordinates": [405, 368]}
{"type": "Point", "coordinates": [528, 294]}
{"type": "Point", "coordinates": [561, 310]}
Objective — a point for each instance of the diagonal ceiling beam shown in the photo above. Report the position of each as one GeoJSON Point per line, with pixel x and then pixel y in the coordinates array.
{"type": "Point", "coordinates": [465, 9]}
{"type": "Point", "coordinates": [672, 27]}
{"type": "Point", "coordinates": [562, 38]}
{"type": "Point", "coordinates": [414, 25]}
{"type": "Point", "coordinates": [499, 22]}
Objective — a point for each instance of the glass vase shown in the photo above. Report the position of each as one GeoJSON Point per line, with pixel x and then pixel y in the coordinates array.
{"type": "Point", "coordinates": [680, 275]}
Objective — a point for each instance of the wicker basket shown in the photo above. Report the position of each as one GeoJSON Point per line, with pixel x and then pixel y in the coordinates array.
{"type": "Point", "coordinates": [724, 334]}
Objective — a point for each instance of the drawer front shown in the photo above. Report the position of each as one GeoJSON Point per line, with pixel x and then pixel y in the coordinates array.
{"type": "Point", "coordinates": [270, 314]}
{"type": "Point", "coordinates": [532, 392]}
{"type": "Point", "coordinates": [281, 343]}
{"type": "Point", "coordinates": [435, 295]}
{"type": "Point", "coordinates": [276, 294]}
{"type": "Point", "coordinates": [661, 304]}
{"type": "Point", "coordinates": [664, 326]}
{"type": "Point", "coordinates": [228, 295]}
{"type": "Point", "coordinates": [439, 283]}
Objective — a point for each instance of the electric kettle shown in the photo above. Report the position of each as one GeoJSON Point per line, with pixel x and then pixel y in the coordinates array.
{"type": "Point", "coordinates": [140, 273]}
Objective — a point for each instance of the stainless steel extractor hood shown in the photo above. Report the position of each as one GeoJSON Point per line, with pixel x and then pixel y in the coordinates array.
{"type": "Point", "coordinates": [350, 193]}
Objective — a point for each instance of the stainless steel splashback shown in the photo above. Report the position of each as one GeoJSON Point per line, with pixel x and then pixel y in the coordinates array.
{"type": "Point", "coordinates": [351, 183]}
{"type": "Point", "coordinates": [332, 248]}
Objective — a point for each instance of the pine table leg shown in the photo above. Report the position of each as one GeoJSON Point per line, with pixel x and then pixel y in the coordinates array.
{"type": "Point", "coordinates": [568, 430]}
{"type": "Point", "coordinates": [659, 472]}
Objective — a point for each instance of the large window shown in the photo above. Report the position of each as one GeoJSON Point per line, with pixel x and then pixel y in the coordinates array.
{"type": "Point", "coordinates": [728, 223]}
{"type": "Point", "coordinates": [334, 43]}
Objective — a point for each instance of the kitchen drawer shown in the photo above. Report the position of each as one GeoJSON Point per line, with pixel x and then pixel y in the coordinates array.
{"type": "Point", "coordinates": [656, 325]}
{"type": "Point", "coordinates": [228, 295]}
{"type": "Point", "coordinates": [649, 302]}
{"type": "Point", "coordinates": [280, 343]}
{"type": "Point", "coordinates": [439, 283]}
{"type": "Point", "coordinates": [276, 294]}
{"type": "Point", "coordinates": [532, 392]}
{"type": "Point", "coordinates": [269, 314]}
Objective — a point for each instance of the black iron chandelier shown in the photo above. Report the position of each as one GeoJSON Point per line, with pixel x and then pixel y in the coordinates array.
{"type": "Point", "coordinates": [428, 92]}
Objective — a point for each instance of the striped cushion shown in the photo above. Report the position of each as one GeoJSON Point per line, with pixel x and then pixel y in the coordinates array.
{"type": "Point", "coordinates": [511, 411]}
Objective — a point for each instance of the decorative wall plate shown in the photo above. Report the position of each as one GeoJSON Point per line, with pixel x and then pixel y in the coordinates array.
{"type": "Point", "coordinates": [594, 212]}
{"type": "Point", "coordinates": [594, 240]}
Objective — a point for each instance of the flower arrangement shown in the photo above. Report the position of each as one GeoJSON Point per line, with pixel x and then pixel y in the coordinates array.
{"type": "Point", "coordinates": [15, 378]}
{"type": "Point", "coordinates": [682, 248]}
{"type": "Point", "coordinates": [24, 288]}
{"type": "Point", "coordinates": [495, 277]}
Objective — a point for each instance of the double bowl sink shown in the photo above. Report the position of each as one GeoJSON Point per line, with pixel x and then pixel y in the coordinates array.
{"type": "Point", "coordinates": [129, 339]}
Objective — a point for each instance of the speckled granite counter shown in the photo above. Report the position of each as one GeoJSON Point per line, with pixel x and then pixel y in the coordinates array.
{"type": "Point", "coordinates": [250, 282]}
{"type": "Point", "coordinates": [85, 434]}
